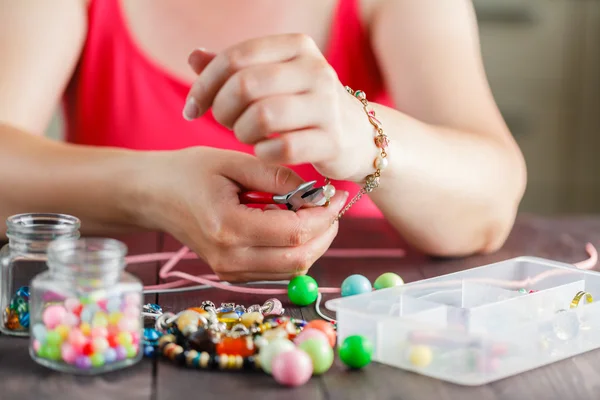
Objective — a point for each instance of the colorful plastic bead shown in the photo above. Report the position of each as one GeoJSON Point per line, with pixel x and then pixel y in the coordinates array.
{"type": "Point", "coordinates": [355, 284]}
{"type": "Point", "coordinates": [321, 354]}
{"type": "Point", "coordinates": [53, 315]}
{"type": "Point", "coordinates": [243, 346]}
{"type": "Point", "coordinates": [251, 318]}
{"type": "Point", "coordinates": [268, 352]}
{"type": "Point", "coordinates": [303, 290]}
{"type": "Point", "coordinates": [420, 355]}
{"type": "Point", "coordinates": [310, 333]}
{"type": "Point", "coordinates": [356, 351]}
{"type": "Point", "coordinates": [292, 368]}
{"type": "Point", "coordinates": [388, 280]}
{"type": "Point", "coordinates": [325, 327]}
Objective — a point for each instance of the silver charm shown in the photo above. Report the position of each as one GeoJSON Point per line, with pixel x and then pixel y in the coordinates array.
{"type": "Point", "coordinates": [254, 308]}
{"type": "Point", "coordinates": [272, 307]}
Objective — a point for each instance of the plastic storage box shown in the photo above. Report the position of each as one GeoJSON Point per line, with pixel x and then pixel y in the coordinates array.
{"type": "Point", "coordinates": [480, 325]}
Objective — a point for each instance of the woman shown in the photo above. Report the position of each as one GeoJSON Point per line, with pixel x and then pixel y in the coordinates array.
{"type": "Point", "coordinates": [260, 96]}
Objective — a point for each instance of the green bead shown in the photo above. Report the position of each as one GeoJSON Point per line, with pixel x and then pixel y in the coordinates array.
{"type": "Point", "coordinates": [43, 351]}
{"type": "Point", "coordinates": [131, 351]}
{"type": "Point", "coordinates": [388, 280]}
{"type": "Point", "coordinates": [303, 290]}
{"type": "Point", "coordinates": [53, 338]}
{"type": "Point", "coordinates": [53, 353]}
{"type": "Point", "coordinates": [97, 360]}
{"type": "Point", "coordinates": [320, 352]}
{"type": "Point", "coordinates": [356, 351]}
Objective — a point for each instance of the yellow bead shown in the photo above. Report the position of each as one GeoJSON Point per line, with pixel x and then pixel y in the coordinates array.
{"type": "Point", "coordinates": [249, 319]}
{"type": "Point", "coordinates": [420, 355]}
{"type": "Point", "coordinates": [63, 331]}
{"type": "Point", "coordinates": [85, 328]}
{"type": "Point", "coordinates": [124, 338]}
{"type": "Point", "coordinates": [114, 318]}
{"type": "Point", "coordinates": [100, 320]}
{"type": "Point", "coordinates": [187, 318]}
{"type": "Point", "coordinates": [277, 333]}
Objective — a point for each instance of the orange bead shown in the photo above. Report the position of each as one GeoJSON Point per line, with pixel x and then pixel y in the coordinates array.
{"type": "Point", "coordinates": [325, 327]}
{"type": "Point", "coordinates": [243, 346]}
{"type": "Point", "coordinates": [199, 310]}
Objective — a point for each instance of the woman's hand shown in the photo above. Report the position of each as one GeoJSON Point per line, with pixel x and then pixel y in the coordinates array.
{"type": "Point", "coordinates": [280, 94]}
{"type": "Point", "coordinates": [195, 197]}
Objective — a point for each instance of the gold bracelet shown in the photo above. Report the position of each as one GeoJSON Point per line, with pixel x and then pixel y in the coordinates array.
{"type": "Point", "coordinates": [381, 162]}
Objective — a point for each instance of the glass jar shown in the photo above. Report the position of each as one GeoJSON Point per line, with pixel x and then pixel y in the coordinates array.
{"type": "Point", "coordinates": [86, 311]}
{"type": "Point", "coordinates": [23, 258]}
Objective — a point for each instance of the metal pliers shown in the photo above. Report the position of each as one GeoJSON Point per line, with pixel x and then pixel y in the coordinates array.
{"type": "Point", "coordinates": [304, 195]}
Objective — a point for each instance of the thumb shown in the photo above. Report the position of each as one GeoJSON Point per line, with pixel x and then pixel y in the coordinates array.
{"type": "Point", "coordinates": [199, 59]}
{"type": "Point", "coordinates": [254, 174]}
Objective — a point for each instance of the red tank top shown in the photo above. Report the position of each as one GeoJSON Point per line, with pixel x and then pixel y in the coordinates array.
{"type": "Point", "coordinates": [119, 97]}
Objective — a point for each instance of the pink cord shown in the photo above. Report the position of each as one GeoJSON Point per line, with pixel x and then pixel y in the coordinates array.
{"type": "Point", "coordinates": [212, 280]}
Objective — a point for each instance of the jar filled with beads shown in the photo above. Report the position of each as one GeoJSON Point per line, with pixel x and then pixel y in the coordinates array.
{"type": "Point", "coordinates": [23, 258]}
{"type": "Point", "coordinates": [86, 311]}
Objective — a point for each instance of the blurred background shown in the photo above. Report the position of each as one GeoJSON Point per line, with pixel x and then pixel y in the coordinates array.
{"type": "Point", "coordinates": [543, 61]}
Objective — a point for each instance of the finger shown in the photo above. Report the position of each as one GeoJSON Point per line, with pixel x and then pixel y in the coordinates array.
{"type": "Point", "coordinates": [199, 59]}
{"type": "Point", "coordinates": [300, 147]}
{"type": "Point", "coordinates": [257, 263]}
{"type": "Point", "coordinates": [260, 81]}
{"type": "Point", "coordinates": [254, 174]}
{"type": "Point", "coordinates": [283, 113]}
{"type": "Point", "coordinates": [272, 49]}
{"type": "Point", "coordinates": [282, 228]}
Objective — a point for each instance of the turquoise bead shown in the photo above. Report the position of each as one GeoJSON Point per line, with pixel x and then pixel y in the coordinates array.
{"type": "Point", "coordinates": [355, 284]}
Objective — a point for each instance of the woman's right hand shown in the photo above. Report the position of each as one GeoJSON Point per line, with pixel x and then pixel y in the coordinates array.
{"type": "Point", "coordinates": [194, 196]}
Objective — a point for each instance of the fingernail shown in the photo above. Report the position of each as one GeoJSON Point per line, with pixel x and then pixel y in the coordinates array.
{"type": "Point", "coordinates": [345, 195]}
{"type": "Point", "coordinates": [191, 110]}
{"type": "Point", "coordinates": [268, 149]}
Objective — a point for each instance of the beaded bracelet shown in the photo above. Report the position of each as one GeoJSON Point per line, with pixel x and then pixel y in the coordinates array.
{"type": "Point", "coordinates": [381, 162]}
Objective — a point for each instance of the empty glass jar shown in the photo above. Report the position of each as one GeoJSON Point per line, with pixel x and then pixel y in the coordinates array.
{"type": "Point", "coordinates": [85, 310]}
{"type": "Point", "coordinates": [23, 258]}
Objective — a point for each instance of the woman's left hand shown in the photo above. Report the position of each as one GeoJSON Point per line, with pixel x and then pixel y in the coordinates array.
{"type": "Point", "coordinates": [280, 94]}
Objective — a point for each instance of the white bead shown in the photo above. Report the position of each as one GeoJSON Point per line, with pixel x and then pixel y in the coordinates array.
{"type": "Point", "coordinates": [381, 162]}
{"type": "Point", "coordinates": [329, 191]}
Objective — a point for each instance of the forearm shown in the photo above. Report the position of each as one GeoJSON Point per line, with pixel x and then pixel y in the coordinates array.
{"type": "Point", "coordinates": [97, 185]}
{"type": "Point", "coordinates": [447, 191]}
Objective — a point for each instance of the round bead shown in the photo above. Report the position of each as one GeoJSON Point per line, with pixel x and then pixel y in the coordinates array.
{"type": "Point", "coordinates": [53, 352]}
{"type": "Point", "coordinates": [388, 280]}
{"type": "Point", "coordinates": [324, 326]}
{"type": "Point", "coordinates": [310, 333]}
{"type": "Point", "coordinates": [381, 162]}
{"type": "Point", "coordinates": [99, 332]}
{"type": "Point", "coordinates": [63, 331]}
{"type": "Point", "coordinates": [420, 355]}
{"type": "Point", "coordinates": [292, 368]}
{"type": "Point", "coordinates": [151, 334]}
{"type": "Point", "coordinates": [77, 340]}
{"type": "Point", "coordinates": [85, 328]}
{"type": "Point", "coordinates": [70, 320]}
{"type": "Point", "coordinates": [53, 315]}
{"type": "Point", "coordinates": [114, 318]}
{"type": "Point", "coordinates": [321, 354]}
{"type": "Point", "coordinates": [113, 305]}
{"type": "Point", "coordinates": [53, 338]}
{"type": "Point", "coordinates": [251, 318]}
{"type": "Point", "coordinates": [303, 290]}
{"type": "Point", "coordinates": [130, 351]}
{"type": "Point", "coordinates": [121, 353]}
{"type": "Point", "coordinates": [83, 362]}
{"type": "Point", "coordinates": [97, 360]}
{"type": "Point", "coordinates": [149, 351]}
{"type": "Point", "coordinates": [360, 94]}
{"type": "Point", "coordinates": [356, 351]}
{"type": "Point", "coordinates": [100, 345]}
{"type": "Point", "coordinates": [39, 332]}
{"type": "Point", "coordinates": [68, 353]}
{"type": "Point", "coordinates": [187, 318]}
{"type": "Point", "coordinates": [276, 333]}
{"type": "Point", "coordinates": [355, 284]}
{"type": "Point", "coordinates": [110, 356]}
{"type": "Point", "coordinates": [36, 345]}
{"type": "Point", "coordinates": [124, 338]}
{"type": "Point", "coordinates": [100, 319]}
{"type": "Point", "coordinates": [328, 191]}
{"type": "Point", "coordinates": [71, 304]}
{"type": "Point", "coordinates": [268, 352]}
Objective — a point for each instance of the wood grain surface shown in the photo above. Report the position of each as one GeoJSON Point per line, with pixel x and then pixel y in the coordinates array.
{"type": "Point", "coordinates": [561, 239]}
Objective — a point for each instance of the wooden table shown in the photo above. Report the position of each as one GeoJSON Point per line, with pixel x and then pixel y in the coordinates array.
{"type": "Point", "coordinates": [557, 238]}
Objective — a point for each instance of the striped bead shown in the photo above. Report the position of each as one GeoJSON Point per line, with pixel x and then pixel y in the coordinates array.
{"type": "Point", "coordinates": [190, 356]}
{"type": "Point", "coordinates": [204, 358]}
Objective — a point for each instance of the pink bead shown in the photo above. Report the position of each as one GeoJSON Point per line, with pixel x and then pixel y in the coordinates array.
{"type": "Point", "coordinates": [132, 299]}
{"type": "Point", "coordinates": [136, 337]}
{"type": "Point", "coordinates": [68, 353]}
{"type": "Point", "coordinates": [36, 345]}
{"type": "Point", "coordinates": [102, 304]}
{"type": "Point", "coordinates": [53, 316]}
{"type": "Point", "coordinates": [70, 320]}
{"type": "Point", "coordinates": [292, 368]}
{"type": "Point", "coordinates": [71, 304]}
{"type": "Point", "coordinates": [310, 333]}
{"type": "Point", "coordinates": [77, 340]}
{"type": "Point", "coordinates": [128, 324]}
{"type": "Point", "coordinates": [132, 312]}
{"type": "Point", "coordinates": [99, 331]}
